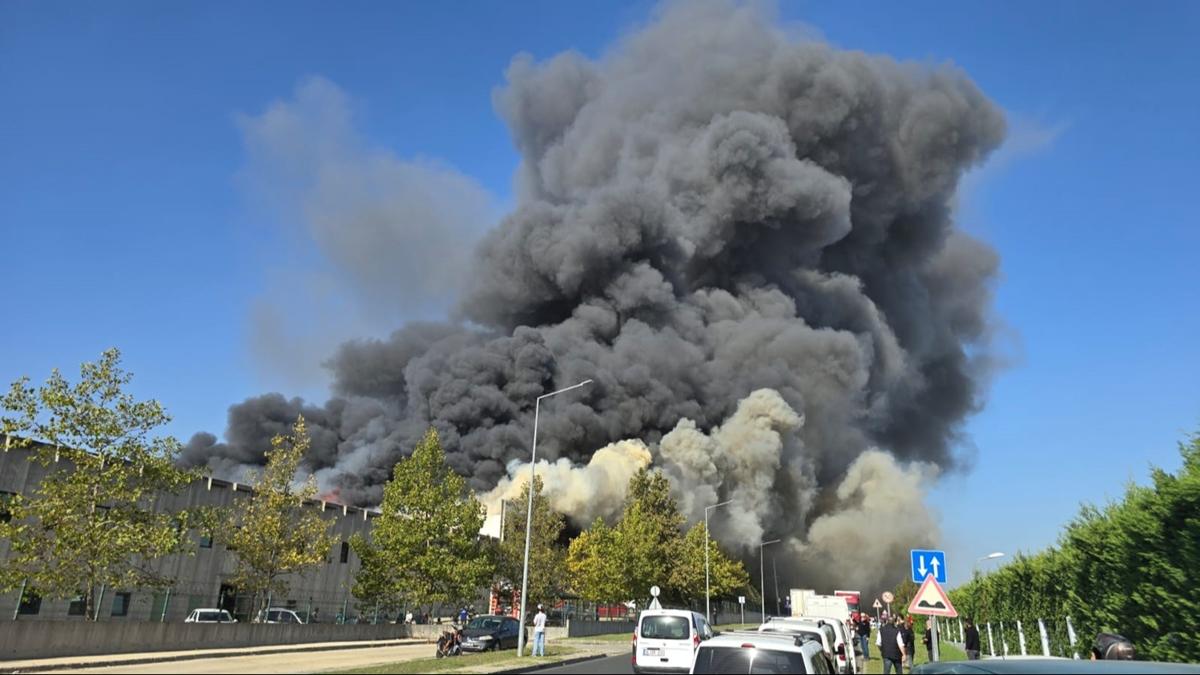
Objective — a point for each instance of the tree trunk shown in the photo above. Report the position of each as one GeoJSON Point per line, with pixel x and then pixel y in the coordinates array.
{"type": "Point", "coordinates": [89, 603]}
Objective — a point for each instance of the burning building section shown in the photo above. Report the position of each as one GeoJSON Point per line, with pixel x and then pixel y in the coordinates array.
{"type": "Point", "coordinates": [746, 240]}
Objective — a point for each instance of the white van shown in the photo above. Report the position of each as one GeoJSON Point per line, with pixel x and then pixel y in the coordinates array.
{"type": "Point", "coordinates": [666, 640]}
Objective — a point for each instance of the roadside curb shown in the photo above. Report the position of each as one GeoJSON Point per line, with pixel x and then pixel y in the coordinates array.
{"type": "Point", "coordinates": [556, 664]}
{"type": "Point", "coordinates": [214, 654]}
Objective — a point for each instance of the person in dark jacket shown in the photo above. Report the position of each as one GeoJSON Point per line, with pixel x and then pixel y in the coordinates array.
{"type": "Point", "coordinates": [910, 641]}
{"type": "Point", "coordinates": [928, 640]}
{"type": "Point", "coordinates": [971, 641]}
{"type": "Point", "coordinates": [891, 646]}
{"type": "Point", "coordinates": [864, 635]}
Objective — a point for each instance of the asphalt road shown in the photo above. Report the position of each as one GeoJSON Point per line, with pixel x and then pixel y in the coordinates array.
{"type": "Point", "coordinates": [610, 664]}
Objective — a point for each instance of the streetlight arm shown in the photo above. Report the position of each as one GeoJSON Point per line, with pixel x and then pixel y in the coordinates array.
{"type": "Point", "coordinates": [574, 386]}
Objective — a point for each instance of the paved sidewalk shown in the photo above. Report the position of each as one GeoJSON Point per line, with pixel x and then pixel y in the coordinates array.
{"type": "Point", "coordinates": [583, 650]}
{"type": "Point", "coordinates": [377, 650]}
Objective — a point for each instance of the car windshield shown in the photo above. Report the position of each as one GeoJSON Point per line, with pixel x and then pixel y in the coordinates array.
{"type": "Point", "coordinates": [665, 627]}
{"type": "Point", "coordinates": [485, 622]}
{"type": "Point", "coordinates": [747, 660]}
{"type": "Point", "coordinates": [209, 616]}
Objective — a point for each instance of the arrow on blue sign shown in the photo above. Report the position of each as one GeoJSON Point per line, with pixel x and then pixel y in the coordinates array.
{"type": "Point", "coordinates": [928, 563]}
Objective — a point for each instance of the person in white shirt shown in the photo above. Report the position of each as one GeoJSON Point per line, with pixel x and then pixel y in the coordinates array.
{"type": "Point", "coordinates": [539, 633]}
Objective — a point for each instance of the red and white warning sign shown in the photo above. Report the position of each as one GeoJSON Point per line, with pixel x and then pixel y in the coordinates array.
{"type": "Point", "coordinates": [931, 600]}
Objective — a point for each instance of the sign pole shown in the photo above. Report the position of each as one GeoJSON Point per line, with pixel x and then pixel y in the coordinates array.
{"type": "Point", "coordinates": [933, 629]}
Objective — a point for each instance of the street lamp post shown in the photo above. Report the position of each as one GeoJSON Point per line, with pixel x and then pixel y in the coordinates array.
{"type": "Point", "coordinates": [775, 573]}
{"type": "Point", "coordinates": [762, 576]}
{"type": "Point", "coordinates": [707, 602]}
{"type": "Point", "coordinates": [529, 515]}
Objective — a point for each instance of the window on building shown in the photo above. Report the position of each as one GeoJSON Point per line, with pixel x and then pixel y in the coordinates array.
{"type": "Point", "coordinates": [77, 607]}
{"type": "Point", "coordinates": [206, 540]}
{"type": "Point", "coordinates": [120, 604]}
{"type": "Point", "coordinates": [345, 552]}
{"type": "Point", "coordinates": [31, 603]}
{"type": "Point", "coordinates": [5, 499]}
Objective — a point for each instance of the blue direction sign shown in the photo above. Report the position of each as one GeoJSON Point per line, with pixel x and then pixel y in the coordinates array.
{"type": "Point", "coordinates": [928, 563]}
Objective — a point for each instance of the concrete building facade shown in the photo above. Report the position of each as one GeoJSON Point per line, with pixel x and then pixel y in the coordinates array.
{"type": "Point", "coordinates": [202, 575]}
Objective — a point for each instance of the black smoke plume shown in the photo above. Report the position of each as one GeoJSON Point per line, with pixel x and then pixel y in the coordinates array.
{"type": "Point", "coordinates": [710, 209]}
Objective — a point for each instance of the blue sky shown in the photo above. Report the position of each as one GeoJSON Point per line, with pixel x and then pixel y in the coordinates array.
{"type": "Point", "coordinates": [126, 219]}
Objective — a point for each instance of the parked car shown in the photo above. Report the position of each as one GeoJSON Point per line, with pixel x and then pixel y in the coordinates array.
{"type": "Point", "coordinates": [491, 632]}
{"type": "Point", "coordinates": [843, 653]}
{"type": "Point", "coordinates": [209, 616]}
{"type": "Point", "coordinates": [278, 615]}
{"type": "Point", "coordinates": [755, 652]}
{"type": "Point", "coordinates": [818, 630]}
{"type": "Point", "coordinates": [665, 640]}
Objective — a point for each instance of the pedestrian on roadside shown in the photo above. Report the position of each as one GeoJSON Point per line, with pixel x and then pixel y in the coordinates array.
{"type": "Point", "coordinates": [928, 640]}
{"type": "Point", "coordinates": [462, 615]}
{"type": "Point", "coordinates": [408, 618]}
{"type": "Point", "coordinates": [864, 635]}
{"type": "Point", "coordinates": [315, 617]}
{"type": "Point", "coordinates": [971, 641]}
{"type": "Point", "coordinates": [891, 646]}
{"type": "Point", "coordinates": [910, 642]}
{"type": "Point", "coordinates": [539, 632]}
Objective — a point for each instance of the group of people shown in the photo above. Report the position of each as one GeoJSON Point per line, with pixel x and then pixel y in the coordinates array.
{"type": "Point", "coordinates": [896, 642]}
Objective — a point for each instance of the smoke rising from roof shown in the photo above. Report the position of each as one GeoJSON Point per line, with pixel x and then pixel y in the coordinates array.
{"type": "Point", "coordinates": [710, 210]}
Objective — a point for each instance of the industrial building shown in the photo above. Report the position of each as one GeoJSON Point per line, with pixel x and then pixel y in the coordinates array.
{"type": "Point", "coordinates": [201, 576]}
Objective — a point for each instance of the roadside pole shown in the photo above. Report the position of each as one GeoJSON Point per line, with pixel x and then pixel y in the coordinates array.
{"type": "Point", "coordinates": [933, 629]}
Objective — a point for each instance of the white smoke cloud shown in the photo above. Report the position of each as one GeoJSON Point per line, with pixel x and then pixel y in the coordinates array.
{"type": "Point", "coordinates": [879, 514]}
{"type": "Point", "coordinates": [583, 493]}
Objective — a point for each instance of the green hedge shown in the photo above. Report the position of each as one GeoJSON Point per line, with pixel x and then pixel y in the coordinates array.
{"type": "Point", "coordinates": [1132, 567]}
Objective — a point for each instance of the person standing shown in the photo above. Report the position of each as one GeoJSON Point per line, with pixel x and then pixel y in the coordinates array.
{"type": "Point", "coordinates": [928, 640]}
{"type": "Point", "coordinates": [539, 632]}
{"type": "Point", "coordinates": [462, 615]}
{"type": "Point", "coordinates": [971, 641]}
{"type": "Point", "coordinates": [910, 642]}
{"type": "Point", "coordinates": [891, 646]}
{"type": "Point", "coordinates": [863, 629]}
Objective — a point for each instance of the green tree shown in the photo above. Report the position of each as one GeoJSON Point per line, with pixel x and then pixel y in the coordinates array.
{"type": "Point", "coordinates": [425, 545]}
{"type": "Point", "coordinates": [547, 559]}
{"type": "Point", "coordinates": [650, 532]}
{"type": "Point", "coordinates": [91, 522]}
{"type": "Point", "coordinates": [273, 535]}
{"type": "Point", "coordinates": [596, 564]}
{"type": "Point", "coordinates": [727, 576]}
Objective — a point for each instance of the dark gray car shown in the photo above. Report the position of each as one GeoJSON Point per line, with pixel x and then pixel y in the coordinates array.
{"type": "Point", "coordinates": [491, 632]}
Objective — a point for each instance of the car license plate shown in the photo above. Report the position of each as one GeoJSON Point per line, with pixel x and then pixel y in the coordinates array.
{"type": "Point", "coordinates": [651, 651]}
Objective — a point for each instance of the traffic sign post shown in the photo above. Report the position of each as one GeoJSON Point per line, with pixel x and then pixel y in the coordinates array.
{"type": "Point", "coordinates": [742, 604]}
{"type": "Point", "coordinates": [877, 605]}
{"type": "Point", "coordinates": [931, 600]}
{"type": "Point", "coordinates": [927, 562]}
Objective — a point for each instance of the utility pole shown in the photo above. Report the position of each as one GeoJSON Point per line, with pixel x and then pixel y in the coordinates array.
{"type": "Point", "coordinates": [762, 578]}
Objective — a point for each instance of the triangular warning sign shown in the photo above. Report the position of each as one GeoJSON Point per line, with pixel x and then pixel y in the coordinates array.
{"type": "Point", "coordinates": [931, 600]}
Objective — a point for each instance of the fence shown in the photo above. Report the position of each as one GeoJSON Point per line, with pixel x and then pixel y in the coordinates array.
{"type": "Point", "coordinates": [1039, 637]}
